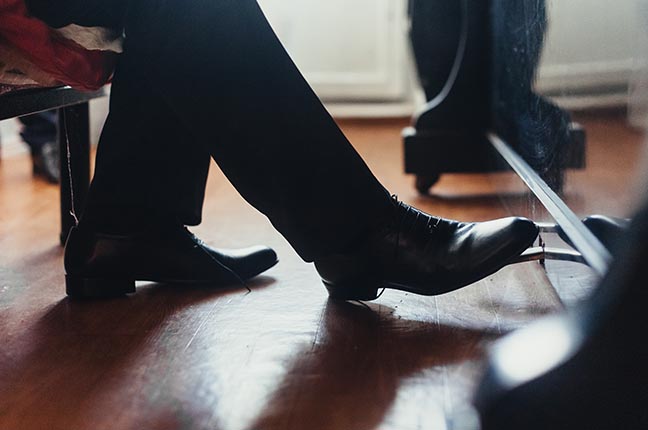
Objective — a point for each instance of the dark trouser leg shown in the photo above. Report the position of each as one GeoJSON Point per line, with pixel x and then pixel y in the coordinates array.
{"type": "Point", "coordinates": [148, 164]}
{"type": "Point", "coordinates": [88, 13]}
{"type": "Point", "coordinates": [218, 65]}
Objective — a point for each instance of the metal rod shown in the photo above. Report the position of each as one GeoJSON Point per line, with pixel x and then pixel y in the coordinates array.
{"type": "Point", "coordinates": [592, 250]}
{"type": "Point", "coordinates": [547, 227]}
{"type": "Point", "coordinates": [559, 254]}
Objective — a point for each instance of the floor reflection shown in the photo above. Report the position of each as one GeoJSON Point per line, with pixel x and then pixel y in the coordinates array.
{"type": "Point", "coordinates": [350, 377]}
{"type": "Point", "coordinates": [79, 354]}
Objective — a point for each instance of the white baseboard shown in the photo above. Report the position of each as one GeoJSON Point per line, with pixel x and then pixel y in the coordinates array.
{"type": "Point", "coordinates": [584, 77]}
{"type": "Point", "coordinates": [598, 101]}
{"type": "Point", "coordinates": [371, 110]}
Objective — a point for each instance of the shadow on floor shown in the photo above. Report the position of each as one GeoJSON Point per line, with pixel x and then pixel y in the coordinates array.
{"type": "Point", "coordinates": [350, 377]}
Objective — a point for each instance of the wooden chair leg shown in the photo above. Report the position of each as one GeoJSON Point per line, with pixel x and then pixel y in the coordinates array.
{"type": "Point", "coordinates": [74, 141]}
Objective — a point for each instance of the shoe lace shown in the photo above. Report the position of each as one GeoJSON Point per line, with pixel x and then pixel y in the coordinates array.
{"type": "Point", "coordinates": [201, 243]}
{"type": "Point", "coordinates": [406, 212]}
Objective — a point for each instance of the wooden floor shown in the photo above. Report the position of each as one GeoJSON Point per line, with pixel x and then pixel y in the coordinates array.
{"type": "Point", "coordinates": [279, 357]}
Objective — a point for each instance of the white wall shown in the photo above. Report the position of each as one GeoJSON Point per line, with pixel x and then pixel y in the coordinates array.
{"type": "Point", "coordinates": [591, 44]}
{"type": "Point", "coordinates": [348, 50]}
{"type": "Point", "coordinates": [357, 50]}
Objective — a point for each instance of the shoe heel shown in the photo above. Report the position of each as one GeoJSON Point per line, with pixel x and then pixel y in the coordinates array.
{"type": "Point", "coordinates": [361, 290]}
{"type": "Point", "coordinates": [79, 287]}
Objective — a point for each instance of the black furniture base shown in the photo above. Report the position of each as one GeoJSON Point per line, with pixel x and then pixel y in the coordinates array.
{"type": "Point", "coordinates": [430, 153]}
{"type": "Point", "coordinates": [452, 43]}
{"type": "Point", "coordinates": [74, 139]}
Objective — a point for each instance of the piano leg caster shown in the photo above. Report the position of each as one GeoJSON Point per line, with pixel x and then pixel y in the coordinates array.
{"type": "Point", "coordinates": [425, 182]}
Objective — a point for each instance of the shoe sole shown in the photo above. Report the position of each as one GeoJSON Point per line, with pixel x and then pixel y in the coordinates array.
{"type": "Point", "coordinates": [368, 289]}
{"type": "Point", "coordinates": [85, 288]}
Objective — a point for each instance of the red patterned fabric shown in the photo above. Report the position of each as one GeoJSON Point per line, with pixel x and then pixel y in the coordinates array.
{"type": "Point", "coordinates": [62, 59]}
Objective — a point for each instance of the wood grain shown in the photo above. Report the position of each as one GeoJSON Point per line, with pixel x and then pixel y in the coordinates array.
{"type": "Point", "coordinates": [279, 357]}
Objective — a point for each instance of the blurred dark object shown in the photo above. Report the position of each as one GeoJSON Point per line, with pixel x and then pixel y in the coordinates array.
{"type": "Point", "coordinates": [539, 130]}
{"type": "Point", "coordinates": [582, 370]}
{"type": "Point", "coordinates": [41, 135]}
{"type": "Point", "coordinates": [452, 56]}
{"type": "Point", "coordinates": [477, 62]}
{"type": "Point", "coordinates": [609, 230]}
{"type": "Point", "coordinates": [46, 162]}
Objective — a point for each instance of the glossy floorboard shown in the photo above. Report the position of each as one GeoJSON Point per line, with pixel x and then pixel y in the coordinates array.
{"type": "Point", "coordinates": [279, 357]}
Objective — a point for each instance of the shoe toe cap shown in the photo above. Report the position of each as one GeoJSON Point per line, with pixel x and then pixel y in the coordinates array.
{"type": "Point", "coordinates": [251, 261]}
{"type": "Point", "coordinates": [525, 230]}
{"type": "Point", "coordinates": [514, 234]}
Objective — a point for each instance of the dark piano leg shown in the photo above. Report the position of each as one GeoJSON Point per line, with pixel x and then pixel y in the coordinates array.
{"type": "Point", "coordinates": [74, 133]}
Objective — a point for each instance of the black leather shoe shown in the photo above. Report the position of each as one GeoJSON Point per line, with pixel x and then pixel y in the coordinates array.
{"type": "Point", "coordinates": [46, 164]}
{"type": "Point", "coordinates": [425, 255]}
{"type": "Point", "coordinates": [100, 265]}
